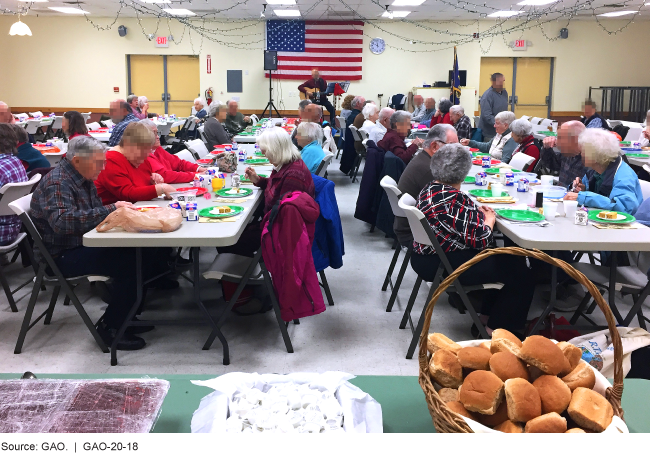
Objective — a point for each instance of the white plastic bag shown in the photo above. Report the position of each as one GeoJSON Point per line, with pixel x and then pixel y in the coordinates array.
{"type": "Point", "coordinates": [598, 350]}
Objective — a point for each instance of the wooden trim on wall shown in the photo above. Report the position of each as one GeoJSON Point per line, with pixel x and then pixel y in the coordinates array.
{"type": "Point", "coordinates": [96, 110]}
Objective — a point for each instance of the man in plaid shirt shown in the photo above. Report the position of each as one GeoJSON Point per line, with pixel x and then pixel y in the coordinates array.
{"type": "Point", "coordinates": [121, 114]}
{"type": "Point", "coordinates": [64, 207]}
{"type": "Point", "coordinates": [11, 171]}
{"type": "Point", "coordinates": [461, 122]}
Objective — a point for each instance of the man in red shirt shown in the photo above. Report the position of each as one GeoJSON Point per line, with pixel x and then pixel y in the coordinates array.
{"type": "Point", "coordinates": [317, 82]}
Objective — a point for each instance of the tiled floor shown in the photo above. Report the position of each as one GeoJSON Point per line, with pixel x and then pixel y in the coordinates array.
{"type": "Point", "coordinates": [356, 335]}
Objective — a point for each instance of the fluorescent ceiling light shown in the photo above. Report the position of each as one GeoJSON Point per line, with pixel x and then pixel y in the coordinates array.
{"type": "Point", "coordinates": [33, 1]}
{"type": "Point", "coordinates": [392, 14]}
{"type": "Point", "coordinates": [617, 13]}
{"type": "Point", "coordinates": [20, 28]}
{"type": "Point", "coordinates": [504, 13]}
{"type": "Point", "coordinates": [536, 2]}
{"type": "Point", "coordinates": [155, 1]}
{"type": "Point", "coordinates": [68, 10]}
{"type": "Point", "coordinates": [408, 3]}
{"type": "Point", "coordinates": [179, 12]}
{"type": "Point", "coordinates": [287, 12]}
{"type": "Point", "coordinates": [281, 2]}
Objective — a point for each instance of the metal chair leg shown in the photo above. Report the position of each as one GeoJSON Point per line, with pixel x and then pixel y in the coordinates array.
{"type": "Point", "coordinates": [276, 308]}
{"type": "Point", "coordinates": [418, 329]}
{"type": "Point", "coordinates": [8, 293]}
{"type": "Point", "coordinates": [30, 310]}
{"type": "Point", "coordinates": [50, 309]}
{"type": "Point", "coordinates": [411, 302]}
{"type": "Point", "coordinates": [326, 287]}
{"type": "Point", "coordinates": [391, 267]}
{"type": "Point", "coordinates": [636, 308]}
{"type": "Point", "coordinates": [581, 307]}
{"type": "Point", "coordinates": [434, 285]}
{"type": "Point", "coordinates": [398, 282]}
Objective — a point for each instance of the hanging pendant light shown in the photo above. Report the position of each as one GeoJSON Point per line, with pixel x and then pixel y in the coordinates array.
{"type": "Point", "coordinates": [20, 28]}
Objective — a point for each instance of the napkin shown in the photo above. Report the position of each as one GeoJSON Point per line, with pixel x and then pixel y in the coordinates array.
{"type": "Point", "coordinates": [496, 200]}
{"type": "Point", "coordinates": [615, 226]}
{"type": "Point", "coordinates": [240, 200]}
{"type": "Point", "coordinates": [231, 219]}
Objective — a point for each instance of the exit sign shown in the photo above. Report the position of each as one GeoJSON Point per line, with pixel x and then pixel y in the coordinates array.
{"type": "Point", "coordinates": [161, 41]}
{"type": "Point", "coordinates": [520, 44]}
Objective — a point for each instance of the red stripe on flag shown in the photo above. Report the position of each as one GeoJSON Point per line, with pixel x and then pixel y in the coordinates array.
{"type": "Point", "coordinates": [321, 59]}
{"type": "Point", "coordinates": [333, 41]}
{"type": "Point", "coordinates": [333, 32]}
{"type": "Point", "coordinates": [321, 50]}
{"type": "Point", "coordinates": [360, 23]}
{"type": "Point", "coordinates": [320, 68]}
{"type": "Point", "coordinates": [299, 77]}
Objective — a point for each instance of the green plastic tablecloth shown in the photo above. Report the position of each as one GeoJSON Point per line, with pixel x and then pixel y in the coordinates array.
{"type": "Point", "coordinates": [402, 400]}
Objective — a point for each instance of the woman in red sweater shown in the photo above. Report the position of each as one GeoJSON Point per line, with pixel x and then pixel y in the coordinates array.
{"type": "Point", "coordinates": [171, 168]}
{"type": "Point", "coordinates": [74, 125]}
{"type": "Point", "coordinates": [121, 180]}
{"type": "Point", "coordinates": [522, 134]}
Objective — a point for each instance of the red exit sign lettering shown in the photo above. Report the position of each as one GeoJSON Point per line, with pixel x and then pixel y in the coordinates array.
{"type": "Point", "coordinates": [161, 41]}
{"type": "Point", "coordinates": [520, 45]}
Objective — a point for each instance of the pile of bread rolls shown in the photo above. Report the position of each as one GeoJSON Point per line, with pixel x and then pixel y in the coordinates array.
{"type": "Point", "coordinates": [532, 387]}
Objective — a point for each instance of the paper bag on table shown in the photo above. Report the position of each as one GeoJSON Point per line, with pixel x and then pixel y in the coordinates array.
{"type": "Point", "coordinates": [164, 219]}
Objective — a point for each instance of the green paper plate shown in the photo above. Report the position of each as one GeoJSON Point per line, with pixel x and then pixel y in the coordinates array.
{"type": "Point", "coordinates": [495, 170]}
{"type": "Point", "coordinates": [638, 155]}
{"type": "Point", "coordinates": [469, 179]}
{"type": "Point", "coordinates": [259, 154]}
{"type": "Point", "coordinates": [477, 154]}
{"type": "Point", "coordinates": [593, 216]}
{"type": "Point", "coordinates": [520, 215]}
{"type": "Point", "coordinates": [486, 193]}
{"type": "Point", "coordinates": [236, 210]}
{"type": "Point", "coordinates": [257, 161]}
{"type": "Point", "coordinates": [547, 133]}
{"type": "Point", "coordinates": [245, 180]}
{"type": "Point", "coordinates": [243, 192]}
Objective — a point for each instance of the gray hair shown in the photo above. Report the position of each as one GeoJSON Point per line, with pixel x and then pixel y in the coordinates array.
{"type": "Point", "coordinates": [385, 113]}
{"type": "Point", "coordinates": [84, 147]}
{"type": "Point", "coordinates": [149, 124]}
{"type": "Point", "coordinates": [358, 102]}
{"type": "Point", "coordinates": [213, 109]}
{"type": "Point", "coordinates": [505, 117]}
{"type": "Point", "coordinates": [458, 109]}
{"type": "Point", "coordinates": [130, 98]}
{"type": "Point", "coordinates": [599, 145]}
{"type": "Point", "coordinates": [369, 109]}
{"type": "Point", "coordinates": [399, 117]}
{"type": "Point", "coordinates": [303, 104]}
{"type": "Point", "coordinates": [311, 130]}
{"type": "Point", "coordinates": [437, 133]}
{"type": "Point", "coordinates": [142, 100]}
{"type": "Point", "coordinates": [444, 105]}
{"type": "Point", "coordinates": [278, 147]}
{"type": "Point", "coordinates": [521, 128]}
{"type": "Point", "coordinates": [450, 164]}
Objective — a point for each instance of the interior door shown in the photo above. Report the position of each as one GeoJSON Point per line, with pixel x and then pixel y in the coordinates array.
{"type": "Point", "coordinates": [491, 65]}
{"type": "Point", "coordinates": [148, 79]}
{"type": "Point", "coordinates": [183, 84]}
{"type": "Point", "coordinates": [532, 87]}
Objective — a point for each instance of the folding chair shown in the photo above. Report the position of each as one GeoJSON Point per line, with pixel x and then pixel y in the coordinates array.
{"type": "Point", "coordinates": [93, 126]}
{"type": "Point", "coordinates": [186, 155]}
{"type": "Point", "coordinates": [521, 161]}
{"type": "Point", "coordinates": [197, 147]}
{"type": "Point", "coordinates": [55, 128]}
{"type": "Point", "coordinates": [9, 193]}
{"type": "Point", "coordinates": [645, 185]}
{"type": "Point", "coordinates": [322, 167]}
{"type": "Point", "coordinates": [423, 234]}
{"type": "Point", "coordinates": [32, 126]}
{"type": "Point", "coordinates": [86, 116]}
{"type": "Point", "coordinates": [108, 123]}
{"type": "Point", "coordinates": [476, 120]}
{"type": "Point", "coordinates": [393, 193]}
{"type": "Point", "coordinates": [525, 117]}
{"type": "Point", "coordinates": [48, 274]}
{"type": "Point", "coordinates": [357, 162]}
{"type": "Point", "coordinates": [163, 129]}
{"type": "Point", "coordinates": [36, 114]}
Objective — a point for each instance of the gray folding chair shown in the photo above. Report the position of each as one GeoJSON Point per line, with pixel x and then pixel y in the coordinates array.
{"type": "Point", "coordinates": [322, 167]}
{"type": "Point", "coordinates": [423, 234]}
{"type": "Point", "coordinates": [32, 126]}
{"type": "Point", "coordinates": [9, 193]}
{"type": "Point", "coordinates": [56, 128]}
{"type": "Point", "coordinates": [197, 147]}
{"type": "Point", "coordinates": [48, 274]}
{"type": "Point", "coordinates": [393, 193]}
{"type": "Point", "coordinates": [186, 155]}
{"type": "Point", "coordinates": [358, 139]}
{"type": "Point", "coordinates": [86, 116]}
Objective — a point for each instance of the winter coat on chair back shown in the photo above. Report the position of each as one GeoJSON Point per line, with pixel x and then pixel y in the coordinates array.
{"type": "Point", "coordinates": [287, 237]}
{"type": "Point", "coordinates": [328, 249]}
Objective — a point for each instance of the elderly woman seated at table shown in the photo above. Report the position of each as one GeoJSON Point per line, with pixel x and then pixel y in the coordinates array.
{"type": "Point", "coordinates": [309, 137]}
{"type": "Point", "coordinates": [502, 145]}
{"type": "Point", "coordinates": [11, 171]}
{"type": "Point", "coordinates": [31, 158]}
{"type": "Point", "coordinates": [370, 114]}
{"type": "Point", "coordinates": [121, 180]}
{"type": "Point", "coordinates": [170, 168]}
{"type": "Point", "coordinates": [393, 141]}
{"type": "Point", "coordinates": [522, 134]}
{"type": "Point", "coordinates": [74, 124]}
{"type": "Point", "coordinates": [463, 230]}
{"type": "Point", "coordinates": [609, 184]}
{"type": "Point", "coordinates": [214, 131]}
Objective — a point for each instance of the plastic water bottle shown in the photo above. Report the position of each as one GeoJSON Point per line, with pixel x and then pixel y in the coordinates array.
{"type": "Point", "coordinates": [197, 181]}
{"type": "Point", "coordinates": [235, 180]}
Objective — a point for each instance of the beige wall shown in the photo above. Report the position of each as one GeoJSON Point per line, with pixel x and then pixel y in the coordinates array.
{"type": "Point", "coordinates": [67, 63]}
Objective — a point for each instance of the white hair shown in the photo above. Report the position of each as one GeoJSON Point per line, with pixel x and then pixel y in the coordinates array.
{"type": "Point", "coordinates": [450, 164]}
{"type": "Point", "coordinates": [357, 102]}
{"type": "Point", "coordinates": [149, 124]}
{"type": "Point", "coordinates": [437, 133]}
{"type": "Point", "coordinates": [599, 145]}
{"type": "Point", "coordinates": [505, 117]}
{"type": "Point", "coordinates": [277, 146]}
{"type": "Point", "coordinates": [213, 108]}
{"type": "Point", "coordinates": [385, 113]}
{"type": "Point", "coordinates": [311, 130]}
{"type": "Point", "coordinates": [84, 147]}
{"type": "Point", "coordinates": [369, 109]}
{"type": "Point", "coordinates": [458, 109]}
{"type": "Point", "coordinates": [521, 128]}
{"type": "Point", "coordinates": [142, 100]}
{"type": "Point", "coordinates": [200, 100]}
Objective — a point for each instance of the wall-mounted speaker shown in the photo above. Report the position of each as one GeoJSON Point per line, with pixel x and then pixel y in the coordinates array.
{"type": "Point", "coordinates": [564, 33]}
{"type": "Point", "coordinates": [121, 30]}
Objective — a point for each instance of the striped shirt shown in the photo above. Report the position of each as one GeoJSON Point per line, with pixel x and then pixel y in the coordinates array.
{"type": "Point", "coordinates": [11, 171]}
{"type": "Point", "coordinates": [118, 130]}
{"type": "Point", "coordinates": [464, 128]}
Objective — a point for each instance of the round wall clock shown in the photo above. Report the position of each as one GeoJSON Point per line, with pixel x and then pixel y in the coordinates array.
{"type": "Point", "coordinates": [377, 46]}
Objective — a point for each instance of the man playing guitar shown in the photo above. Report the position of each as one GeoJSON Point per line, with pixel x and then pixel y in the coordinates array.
{"type": "Point", "coordinates": [314, 89]}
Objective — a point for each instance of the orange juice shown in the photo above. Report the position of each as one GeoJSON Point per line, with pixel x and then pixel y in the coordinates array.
{"type": "Point", "coordinates": [218, 183]}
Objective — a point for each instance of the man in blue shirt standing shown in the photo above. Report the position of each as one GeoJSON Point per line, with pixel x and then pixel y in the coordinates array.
{"type": "Point", "coordinates": [493, 101]}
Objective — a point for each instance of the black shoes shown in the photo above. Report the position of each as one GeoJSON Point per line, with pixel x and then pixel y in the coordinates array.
{"type": "Point", "coordinates": [163, 283]}
{"type": "Point", "coordinates": [128, 342]}
{"type": "Point", "coordinates": [137, 329]}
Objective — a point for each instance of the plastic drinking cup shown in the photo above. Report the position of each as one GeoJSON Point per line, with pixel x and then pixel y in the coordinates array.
{"type": "Point", "coordinates": [547, 180]}
{"type": "Point", "coordinates": [570, 209]}
{"type": "Point", "coordinates": [497, 189]}
{"type": "Point", "coordinates": [550, 209]}
{"type": "Point", "coordinates": [218, 183]}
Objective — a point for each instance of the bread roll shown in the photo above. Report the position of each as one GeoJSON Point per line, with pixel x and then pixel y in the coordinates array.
{"type": "Point", "coordinates": [590, 409]}
{"type": "Point", "coordinates": [474, 358]}
{"type": "Point", "coordinates": [437, 341]}
{"type": "Point", "coordinates": [481, 392]}
{"type": "Point", "coordinates": [554, 393]}
{"type": "Point", "coordinates": [542, 353]}
{"type": "Point", "coordinates": [502, 340]}
{"type": "Point", "coordinates": [495, 419]}
{"type": "Point", "coordinates": [581, 376]}
{"type": "Point", "coordinates": [547, 423]}
{"type": "Point", "coordinates": [523, 400]}
{"type": "Point", "coordinates": [507, 366]}
{"type": "Point", "coordinates": [458, 408]}
{"type": "Point", "coordinates": [485, 345]}
{"type": "Point", "coordinates": [445, 369]}
{"type": "Point", "coordinates": [572, 353]}
{"type": "Point", "coordinates": [534, 373]}
{"type": "Point", "coordinates": [446, 394]}
{"type": "Point", "coordinates": [510, 427]}
{"type": "Point", "coordinates": [575, 430]}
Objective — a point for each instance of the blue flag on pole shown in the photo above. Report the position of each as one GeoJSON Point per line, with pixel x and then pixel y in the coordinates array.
{"type": "Point", "coordinates": [455, 85]}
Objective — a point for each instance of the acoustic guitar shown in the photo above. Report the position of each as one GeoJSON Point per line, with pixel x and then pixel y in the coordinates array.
{"type": "Point", "coordinates": [310, 94]}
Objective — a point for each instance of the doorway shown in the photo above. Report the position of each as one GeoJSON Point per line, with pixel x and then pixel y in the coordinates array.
{"type": "Point", "coordinates": [529, 82]}
{"type": "Point", "coordinates": [170, 82]}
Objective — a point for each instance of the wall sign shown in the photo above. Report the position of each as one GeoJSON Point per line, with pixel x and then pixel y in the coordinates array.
{"type": "Point", "coordinates": [161, 41]}
{"type": "Point", "coordinates": [520, 44]}
{"type": "Point", "coordinates": [209, 66]}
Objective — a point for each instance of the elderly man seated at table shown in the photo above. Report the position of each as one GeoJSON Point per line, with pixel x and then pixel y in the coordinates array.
{"type": "Point", "coordinates": [428, 112]}
{"type": "Point", "coordinates": [31, 158]}
{"type": "Point", "coordinates": [65, 206]}
{"type": "Point", "coordinates": [198, 110]}
{"type": "Point", "coordinates": [214, 130]}
{"type": "Point", "coordinates": [418, 108]}
{"type": "Point", "coordinates": [236, 122]}
{"type": "Point", "coordinates": [393, 141]}
{"type": "Point", "coordinates": [502, 145]}
{"type": "Point", "coordinates": [134, 102]}
{"type": "Point", "coordinates": [568, 161]}
{"type": "Point", "coordinates": [417, 175]}
{"type": "Point", "coordinates": [121, 180]}
{"type": "Point", "coordinates": [170, 168]}
{"type": "Point", "coordinates": [522, 134]}
{"type": "Point", "coordinates": [310, 137]}
{"type": "Point", "coordinates": [370, 114]}
{"type": "Point", "coordinates": [74, 124]}
{"type": "Point", "coordinates": [381, 125]}
{"type": "Point", "coordinates": [461, 122]}
{"type": "Point", "coordinates": [121, 115]}
{"type": "Point", "coordinates": [609, 183]}
{"type": "Point", "coordinates": [463, 230]}
{"type": "Point", "coordinates": [11, 171]}
{"type": "Point", "coordinates": [5, 113]}
{"type": "Point", "coordinates": [644, 140]}
{"type": "Point", "coordinates": [592, 119]}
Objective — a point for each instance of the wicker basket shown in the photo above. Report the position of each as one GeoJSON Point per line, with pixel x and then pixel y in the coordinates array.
{"type": "Point", "coordinates": [447, 421]}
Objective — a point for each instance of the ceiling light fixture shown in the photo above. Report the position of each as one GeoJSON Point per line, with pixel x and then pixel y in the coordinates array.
{"type": "Point", "coordinates": [33, 1]}
{"type": "Point", "coordinates": [617, 13]}
{"type": "Point", "coordinates": [281, 2]}
{"type": "Point", "coordinates": [392, 14]}
{"type": "Point", "coordinates": [179, 12]}
{"type": "Point", "coordinates": [504, 13]}
{"type": "Point", "coordinates": [263, 11]}
{"type": "Point", "coordinates": [20, 28]}
{"type": "Point", "coordinates": [408, 2]}
{"type": "Point", "coordinates": [536, 2]}
{"type": "Point", "coordinates": [287, 12]}
{"type": "Point", "coordinates": [67, 10]}
{"type": "Point", "coordinates": [155, 1]}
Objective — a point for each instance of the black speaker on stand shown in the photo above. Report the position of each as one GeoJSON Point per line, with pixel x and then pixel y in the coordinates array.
{"type": "Point", "coordinates": [270, 65]}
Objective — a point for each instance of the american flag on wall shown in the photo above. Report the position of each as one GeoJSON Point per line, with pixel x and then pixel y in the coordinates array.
{"type": "Point", "coordinates": [334, 47]}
